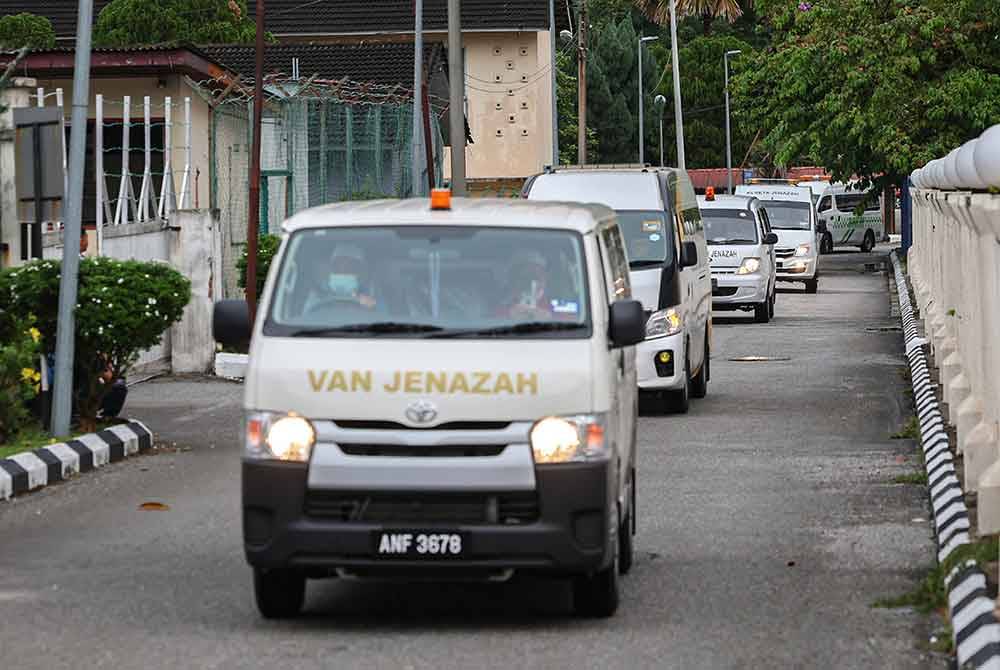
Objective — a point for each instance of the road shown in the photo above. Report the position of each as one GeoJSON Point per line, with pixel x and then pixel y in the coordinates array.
{"type": "Point", "coordinates": [768, 525]}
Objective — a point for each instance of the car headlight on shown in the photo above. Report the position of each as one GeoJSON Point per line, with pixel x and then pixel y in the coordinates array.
{"type": "Point", "coordinates": [285, 437]}
{"type": "Point", "coordinates": [568, 439]}
{"type": "Point", "coordinates": [803, 250]}
{"type": "Point", "coordinates": [663, 323]}
{"type": "Point", "coordinates": [748, 266]}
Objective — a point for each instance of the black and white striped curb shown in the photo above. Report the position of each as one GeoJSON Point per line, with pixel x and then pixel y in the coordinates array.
{"type": "Point", "coordinates": [31, 470]}
{"type": "Point", "coordinates": [976, 630]}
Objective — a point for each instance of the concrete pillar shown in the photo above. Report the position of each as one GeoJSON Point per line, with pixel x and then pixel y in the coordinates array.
{"type": "Point", "coordinates": [192, 253]}
{"type": "Point", "coordinates": [15, 95]}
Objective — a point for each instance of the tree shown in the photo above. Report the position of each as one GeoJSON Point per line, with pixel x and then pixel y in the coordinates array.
{"type": "Point", "coordinates": [709, 10]}
{"type": "Point", "coordinates": [872, 89]}
{"type": "Point", "coordinates": [26, 30]}
{"type": "Point", "coordinates": [142, 22]}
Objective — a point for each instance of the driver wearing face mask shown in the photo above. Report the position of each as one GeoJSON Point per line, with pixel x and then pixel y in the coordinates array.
{"type": "Point", "coordinates": [347, 280]}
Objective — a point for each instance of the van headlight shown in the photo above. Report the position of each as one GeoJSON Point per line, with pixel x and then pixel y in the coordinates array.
{"type": "Point", "coordinates": [569, 439]}
{"type": "Point", "coordinates": [284, 437]}
{"type": "Point", "coordinates": [803, 250]}
{"type": "Point", "coordinates": [748, 266]}
{"type": "Point", "coordinates": [663, 323]}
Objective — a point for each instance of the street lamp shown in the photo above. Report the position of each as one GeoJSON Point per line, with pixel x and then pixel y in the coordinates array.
{"type": "Point", "coordinates": [660, 103]}
{"type": "Point", "coordinates": [729, 142]}
{"type": "Point", "coordinates": [641, 94]}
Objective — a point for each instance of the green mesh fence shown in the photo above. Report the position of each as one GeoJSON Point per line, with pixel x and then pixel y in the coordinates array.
{"type": "Point", "coordinates": [318, 146]}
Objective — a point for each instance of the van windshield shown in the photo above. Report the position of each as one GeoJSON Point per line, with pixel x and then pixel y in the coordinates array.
{"type": "Point", "coordinates": [430, 281]}
{"type": "Point", "coordinates": [788, 214]}
{"type": "Point", "coordinates": [729, 226]}
{"type": "Point", "coordinates": [648, 238]}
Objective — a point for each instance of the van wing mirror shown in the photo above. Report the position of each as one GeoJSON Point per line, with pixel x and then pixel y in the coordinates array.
{"type": "Point", "coordinates": [628, 323]}
{"type": "Point", "coordinates": [771, 238]}
{"type": "Point", "coordinates": [689, 254]}
{"type": "Point", "coordinates": [231, 322]}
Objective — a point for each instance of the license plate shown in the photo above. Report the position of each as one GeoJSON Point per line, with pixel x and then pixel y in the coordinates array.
{"type": "Point", "coordinates": [419, 544]}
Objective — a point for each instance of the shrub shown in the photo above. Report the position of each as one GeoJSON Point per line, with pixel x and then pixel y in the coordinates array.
{"type": "Point", "coordinates": [26, 30]}
{"type": "Point", "coordinates": [123, 307]}
{"type": "Point", "coordinates": [19, 378]}
{"type": "Point", "coordinates": [267, 246]}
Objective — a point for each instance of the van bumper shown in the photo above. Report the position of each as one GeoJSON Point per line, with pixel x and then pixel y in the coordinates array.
{"type": "Point", "coordinates": [797, 269]}
{"type": "Point", "coordinates": [655, 374]}
{"type": "Point", "coordinates": [573, 532]}
{"type": "Point", "coordinates": [734, 291]}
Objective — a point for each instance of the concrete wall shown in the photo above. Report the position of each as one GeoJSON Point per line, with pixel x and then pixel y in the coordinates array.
{"type": "Point", "coordinates": [954, 265]}
{"type": "Point", "coordinates": [16, 95]}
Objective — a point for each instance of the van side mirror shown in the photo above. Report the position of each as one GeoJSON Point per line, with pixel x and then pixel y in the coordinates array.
{"type": "Point", "coordinates": [771, 238]}
{"type": "Point", "coordinates": [628, 323]}
{"type": "Point", "coordinates": [689, 254]}
{"type": "Point", "coordinates": [231, 322]}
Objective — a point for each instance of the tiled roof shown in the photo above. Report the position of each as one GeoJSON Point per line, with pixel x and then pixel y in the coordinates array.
{"type": "Point", "coordinates": [377, 63]}
{"type": "Point", "coordinates": [343, 17]}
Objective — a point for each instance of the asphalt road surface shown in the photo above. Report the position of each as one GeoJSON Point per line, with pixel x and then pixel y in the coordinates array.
{"type": "Point", "coordinates": [768, 525]}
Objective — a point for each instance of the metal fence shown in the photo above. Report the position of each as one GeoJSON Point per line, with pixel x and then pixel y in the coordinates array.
{"type": "Point", "coordinates": [321, 142]}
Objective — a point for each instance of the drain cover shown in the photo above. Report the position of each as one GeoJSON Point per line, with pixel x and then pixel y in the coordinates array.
{"type": "Point", "coordinates": [884, 329]}
{"type": "Point", "coordinates": [759, 359]}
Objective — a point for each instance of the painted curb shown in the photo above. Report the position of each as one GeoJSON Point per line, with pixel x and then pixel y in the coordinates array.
{"type": "Point", "coordinates": [976, 630]}
{"type": "Point", "coordinates": [31, 470]}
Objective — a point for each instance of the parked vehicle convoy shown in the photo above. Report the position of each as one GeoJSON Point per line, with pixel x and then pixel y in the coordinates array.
{"type": "Point", "coordinates": [793, 218]}
{"type": "Point", "coordinates": [845, 225]}
{"type": "Point", "coordinates": [741, 251]}
{"type": "Point", "coordinates": [668, 262]}
{"type": "Point", "coordinates": [441, 392]}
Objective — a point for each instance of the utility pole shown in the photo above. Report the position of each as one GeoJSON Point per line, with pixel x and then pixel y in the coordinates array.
{"type": "Point", "coordinates": [660, 103]}
{"type": "Point", "coordinates": [456, 76]}
{"type": "Point", "coordinates": [642, 110]}
{"type": "Point", "coordinates": [418, 85]}
{"type": "Point", "coordinates": [729, 141]}
{"type": "Point", "coordinates": [62, 407]}
{"type": "Point", "coordinates": [555, 84]}
{"type": "Point", "coordinates": [253, 218]}
{"type": "Point", "coordinates": [678, 112]}
{"type": "Point", "coordinates": [581, 83]}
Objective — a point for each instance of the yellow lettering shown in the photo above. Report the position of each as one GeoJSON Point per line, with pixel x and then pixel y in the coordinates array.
{"type": "Point", "coordinates": [459, 383]}
{"type": "Point", "coordinates": [361, 381]}
{"type": "Point", "coordinates": [317, 382]}
{"type": "Point", "coordinates": [503, 384]}
{"type": "Point", "coordinates": [394, 388]}
{"type": "Point", "coordinates": [412, 384]}
{"type": "Point", "coordinates": [437, 381]}
{"type": "Point", "coordinates": [338, 382]}
{"type": "Point", "coordinates": [481, 379]}
{"type": "Point", "coordinates": [527, 382]}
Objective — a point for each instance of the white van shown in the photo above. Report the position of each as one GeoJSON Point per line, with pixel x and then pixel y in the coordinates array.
{"type": "Point", "coordinates": [668, 261]}
{"type": "Point", "coordinates": [741, 250]}
{"type": "Point", "coordinates": [444, 393]}
{"type": "Point", "coordinates": [837, 210]}
{"type": "Point", "coordinates": [793, 218]}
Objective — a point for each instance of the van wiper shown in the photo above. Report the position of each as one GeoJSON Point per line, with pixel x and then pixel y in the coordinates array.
{"type": "Point", "coordinates": [636, 265]}
{"type": "Point", "coordinates": [376, 327]}
{"type": "Point", "coordinates": [514, 329]}
{"type": "Point", "coordinates": [739, 240]}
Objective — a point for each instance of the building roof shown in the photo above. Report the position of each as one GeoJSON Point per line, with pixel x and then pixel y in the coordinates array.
{"type": "Point", "coordinates": [386, 63]}
{"type": "Point", "coordinates": [58, 62]}
{"type": "Point", "coordinates": [464, 212]}
{"type": "Point", "coordinates": [341, 17]}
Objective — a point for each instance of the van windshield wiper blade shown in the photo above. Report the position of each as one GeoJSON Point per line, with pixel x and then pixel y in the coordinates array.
{"type": "Point", "coordinates": [645, 264]}
{"type": "Point", "coordinates": [513, 329]}
{"type": "Point", "coordinates": [376, 327]}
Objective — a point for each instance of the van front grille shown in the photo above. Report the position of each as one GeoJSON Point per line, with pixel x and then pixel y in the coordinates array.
{"type": "Point", "coordinates": [411, 451]}
{"type": "Point", "coordinates": [406, 508]}
{"type": "Point", "coordinates": [393, 425]}
{"type": "Point", "coordinates": [784, 253]}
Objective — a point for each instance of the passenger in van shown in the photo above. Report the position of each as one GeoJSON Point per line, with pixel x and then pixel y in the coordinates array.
{"type": "Point", "coordinates": [527, 281]}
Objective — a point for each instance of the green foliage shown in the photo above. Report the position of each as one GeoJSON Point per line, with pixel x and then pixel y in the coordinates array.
{"type": "Point", "coordinates": [873, 89]}
{"type": "Point", "coordinates": [143, 22]}
{"type": "Point", "coordinates": [909, 431]}
{"type": "Point", "coordinates": [267, 246]}
{"type": "Point", "coordinates": [918, 478]}
{"type": "Point", "coordinates": [123, 307]}
{"type": "Point", "coordinates": [19, 375]}
{"type": "Point", "coordinates": [26, 30]}
{"type": "Point", "coordinates": [567, 109]}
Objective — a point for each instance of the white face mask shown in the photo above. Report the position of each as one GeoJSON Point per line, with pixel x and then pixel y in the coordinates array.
{"type": "Point", "coordinates": [343, 285]}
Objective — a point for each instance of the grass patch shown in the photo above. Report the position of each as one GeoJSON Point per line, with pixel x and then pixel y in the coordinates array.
{"type": "Point", "coordinates": [909, 431]}
{"type": "Point", "coordinates": [34, 436]}
{"type": "Point", "coordinates": [912, 478]}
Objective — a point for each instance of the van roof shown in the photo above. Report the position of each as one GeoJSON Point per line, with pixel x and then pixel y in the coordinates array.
{"type": "Point", "coordinates": [727, 202]}
{"type": "Point", "coordinates": [464, 212]}
{"type": "Point", "coordinates": [618, 188]}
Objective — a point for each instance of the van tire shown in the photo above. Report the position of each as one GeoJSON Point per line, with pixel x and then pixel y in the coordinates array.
{"type": "Point", "coordinates": [679, 401]}
{"type": "Point", "coordinates": [280, 594]}
{"type": "Point", "coordinates": [699, 385]}
{"type": "Point", "coordinates": [597, 595]}
{"type": "Point", "coordinates": [869, 242]}
{"type": "Point", "coordinates": [770, 305]}
{"type": "Point", "coordinates": [826, 244]}
{"type": "Point", "coordinates": [762, 311]}
{"type": "Point", "coordinates": [626, 546]}
{"type": "Point", "coordinates": [812, 285]}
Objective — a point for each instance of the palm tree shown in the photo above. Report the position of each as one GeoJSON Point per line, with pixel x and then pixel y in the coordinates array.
{"type": "Point", "coordinates": [658, 11]}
